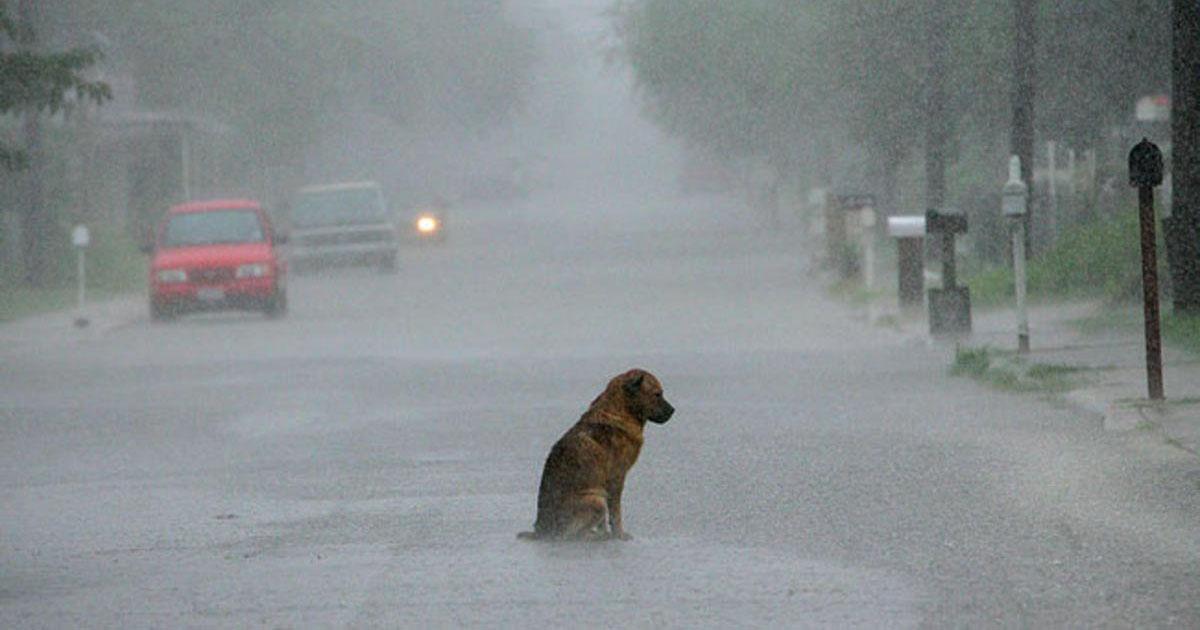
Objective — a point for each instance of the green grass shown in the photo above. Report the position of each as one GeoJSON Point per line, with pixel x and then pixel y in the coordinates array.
{"type": "Point", "coordinates": [1007, 371]}
{"type": "Point", "coordinates": [992, 287]}
{"type": "Point", "coordinates": [114, 267]}
{"type": "Point", "coordinates": [1178, 330]}
{"type": "Point", "coordinates": [854, 293]}
{"type": "Point", "coordinates": [1101, 259]}
{"type": "Point", "coordinates": [18, 302]}
{"type": "Point", "coordinates": [888, 321]}
{"type": "Point", "coordinates": [1182, 331]}
{"type": "Point", "coordinates": [1109, 319]}
{"type": "Point", "coordinates": [973, 362]}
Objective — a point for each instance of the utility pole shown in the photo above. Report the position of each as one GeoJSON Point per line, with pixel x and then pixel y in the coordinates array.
{"type": "Point", "coordinates": [935, 107]}
{"type": "Point", "coordinates": [1024, 76]}
{"type": "Point", "coordinates": [1183, 228]}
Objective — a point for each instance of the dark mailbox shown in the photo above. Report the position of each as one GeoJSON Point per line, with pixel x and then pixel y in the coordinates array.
{"type": "Point", "coordinates": [945, 222]}
{"type": "Point", "coordinates": [949, 306]}
{"type": "Point", "coordinates": [1145, 164]}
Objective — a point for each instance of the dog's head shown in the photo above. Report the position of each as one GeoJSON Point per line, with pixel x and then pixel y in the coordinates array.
{"type": "Point", "coordinates": [643, 396]}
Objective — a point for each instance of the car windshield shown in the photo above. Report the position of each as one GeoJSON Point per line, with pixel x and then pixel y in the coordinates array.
{"type": "Point", "coordinates": [209, 228]}
{"type": "Point", "coordinates": [337, 207]}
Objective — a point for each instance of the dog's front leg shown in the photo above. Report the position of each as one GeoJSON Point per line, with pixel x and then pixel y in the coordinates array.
{"type": "Point", "coordinates": [615, 526]}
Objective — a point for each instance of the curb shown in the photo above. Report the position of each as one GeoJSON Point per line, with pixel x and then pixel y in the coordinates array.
{"type": "Point", "coordinates": [1115, 404]}
{"type": "Point", "coordinates": [58, 327]}
{"type": "Point", "coordinates": [1113, 416]}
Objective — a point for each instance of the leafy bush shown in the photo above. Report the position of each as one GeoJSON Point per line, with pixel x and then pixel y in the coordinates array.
{"type": "Point", "coordinates": [1183, 331]}
{"type": "Point", "coordinates": [1098, 259]}
{"type": "Point", "coordinates": [1102, 258]}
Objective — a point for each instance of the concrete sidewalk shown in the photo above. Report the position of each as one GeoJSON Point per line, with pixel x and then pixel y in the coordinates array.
{"type": "Point", "coordinates": [1110, 356]}
{"type": "Point", "coordinates": [62, 327]}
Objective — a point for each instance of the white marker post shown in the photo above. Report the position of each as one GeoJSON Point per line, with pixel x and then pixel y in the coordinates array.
{"type": "Point", "coordinates": [1014, 206]}
{"type": "Point", "coordinates": [81, 238]}
{"type": "Point", "coordinates": [868, 245]}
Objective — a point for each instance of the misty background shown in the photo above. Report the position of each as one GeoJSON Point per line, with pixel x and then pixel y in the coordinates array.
{"type": "Point", "coordinates": [648, 183]}
{"type": "Point", "coordinates": [612, 108]}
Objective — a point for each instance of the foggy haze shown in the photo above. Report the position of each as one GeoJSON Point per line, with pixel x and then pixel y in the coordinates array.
{"type": "Point", "coordinates": [578, 135]}
{"type": "Point", "coordinates": [360, 314]}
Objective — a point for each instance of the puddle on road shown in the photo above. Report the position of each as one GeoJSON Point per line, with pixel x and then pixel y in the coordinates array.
{"type": "Point", "coordinates": [674, 582]}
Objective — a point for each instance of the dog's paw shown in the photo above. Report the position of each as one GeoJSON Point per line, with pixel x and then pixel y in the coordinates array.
{"type": "Point", "coordinates": [621, 536]}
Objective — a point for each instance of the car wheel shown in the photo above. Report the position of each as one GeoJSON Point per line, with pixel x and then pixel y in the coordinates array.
{"type": "Point", "coordinates": [276, 305]}
{"type": "Point", "coordinates": [160, 313]}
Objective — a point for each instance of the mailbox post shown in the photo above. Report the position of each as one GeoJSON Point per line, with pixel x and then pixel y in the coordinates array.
{"type": "Point", "coordinates": [949, 306]}
{"type": "Point", "coordinates": [909, 232]}
{"type": "Point", "coordinates": [1014, 207]}
{"type": "Point", "coordinates": [81, 239]}
{"type": "Point", "coordinates": [1146, 172]}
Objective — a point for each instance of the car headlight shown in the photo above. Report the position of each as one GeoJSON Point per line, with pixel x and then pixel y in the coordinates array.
{"type": "Point", "coordinates": [427, 224]}
{"type": "Point", "coordinates": [255, 270]}
{"type": "Point", "coordinates": [167, 276]}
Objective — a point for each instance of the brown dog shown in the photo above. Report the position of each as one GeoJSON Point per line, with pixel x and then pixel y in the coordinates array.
{"type": "Point", "coordinates": [580, 493]}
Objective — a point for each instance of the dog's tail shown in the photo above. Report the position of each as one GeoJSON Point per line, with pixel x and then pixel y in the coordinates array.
{"type": "Point", "coordinates": [529, 536]}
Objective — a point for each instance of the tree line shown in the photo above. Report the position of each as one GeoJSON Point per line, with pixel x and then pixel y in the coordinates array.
{"type": "Point", "coordinates": [798, 84]}
{"type": "Point", "coordinates": [274, 70]}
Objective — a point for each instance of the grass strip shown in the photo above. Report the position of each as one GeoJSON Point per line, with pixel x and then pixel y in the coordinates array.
{"type": "Point", "coordinates": [1009, 372]}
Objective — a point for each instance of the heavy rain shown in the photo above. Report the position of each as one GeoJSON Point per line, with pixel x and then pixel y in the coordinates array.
{"type": "Point", "coordinates": [374, 313]}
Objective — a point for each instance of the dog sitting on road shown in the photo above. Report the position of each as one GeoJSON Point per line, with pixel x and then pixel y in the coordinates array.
{"type": "Point", "coordinates": [580, 494]}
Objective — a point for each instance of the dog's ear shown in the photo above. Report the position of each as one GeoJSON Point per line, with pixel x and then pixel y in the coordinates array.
{"type": "Point", "coordinates": [635, 383]}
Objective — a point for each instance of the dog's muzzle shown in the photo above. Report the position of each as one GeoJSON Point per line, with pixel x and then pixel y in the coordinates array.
{"type": "Point", "coordinates": [664, 414]}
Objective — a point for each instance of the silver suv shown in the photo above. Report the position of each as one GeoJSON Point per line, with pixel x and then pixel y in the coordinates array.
{"type": "Point", "coordinates": [344, 223]}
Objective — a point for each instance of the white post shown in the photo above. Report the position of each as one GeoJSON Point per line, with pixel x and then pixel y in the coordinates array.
{"type": "Point", "coordinates": [1071, 166]}
{"type": "Point", "coordinates": [1014, 206]}
{"type": "Point", "coordinates": [1089, 159]}
{"type": "Point", "coordinates": [1052, 183]}
{"type": "Point", "coordinates": [185, 158]}
{"type": "Point", "coordinates": [82, 280]}
{"type": "Point", "coordinates": [868, 243]}
{"type": "Point", "coordinates": [81, 238]}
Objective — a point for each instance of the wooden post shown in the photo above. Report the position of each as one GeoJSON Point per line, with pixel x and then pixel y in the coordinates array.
{"type": "Point", "coordinates": [1154, 368]}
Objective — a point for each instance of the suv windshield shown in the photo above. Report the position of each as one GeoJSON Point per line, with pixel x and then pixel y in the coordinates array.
{"type": "Point", "coordinates": [337, 207]}
{"type": "Point", "coordinates": [209, 228]}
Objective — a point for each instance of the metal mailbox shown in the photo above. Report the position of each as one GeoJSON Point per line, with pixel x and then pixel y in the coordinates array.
{"type": "Point", "coordinates": [912, 226]}
{"type": "Point", "coordinates": [1015, 194]}
{"type": "Point", "coordinates": [1145, 164]}
{"type": "Point", "coordinates": [945, 222]}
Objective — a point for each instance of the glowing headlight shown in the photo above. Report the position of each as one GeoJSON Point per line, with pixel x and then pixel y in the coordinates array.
{"type": "Point", "coordinates": [426, 224]}
{"type": "Point", "coordinates": [171, 275]}
{"type": "Point", "coordinates": [256, 270]}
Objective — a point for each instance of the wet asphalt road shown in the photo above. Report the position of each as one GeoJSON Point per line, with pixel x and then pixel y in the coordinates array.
{"type": "Point", "coordinates": [368, 460]}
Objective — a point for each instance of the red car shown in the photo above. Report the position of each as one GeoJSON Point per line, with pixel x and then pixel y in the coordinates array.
{"type": "Point", "coordinates": [213, 255]}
